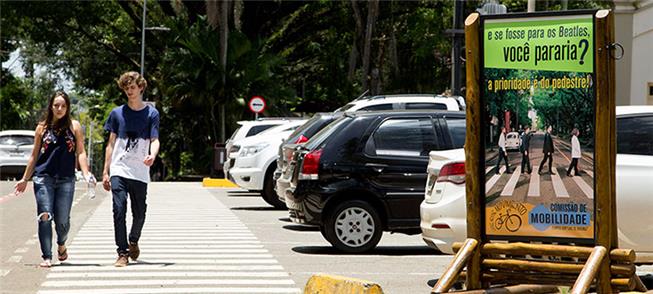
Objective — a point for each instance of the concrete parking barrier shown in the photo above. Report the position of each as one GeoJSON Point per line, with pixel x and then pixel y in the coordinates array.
{"type": "Point", "coordinates": [331, 284]}
{"type": "Point", "coordinates": [224, 183]}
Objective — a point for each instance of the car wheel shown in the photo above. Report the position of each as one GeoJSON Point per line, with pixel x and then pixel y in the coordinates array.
{"type": "Point", "coordinates": [269, 194]}
{"type": "Point", "coordinates": [353, 226]}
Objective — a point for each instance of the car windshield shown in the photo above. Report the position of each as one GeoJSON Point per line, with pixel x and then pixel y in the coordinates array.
{"type": "Point", "coordinates": [17, 140]}
{"type": "Point", "coordinates": [326, 132]}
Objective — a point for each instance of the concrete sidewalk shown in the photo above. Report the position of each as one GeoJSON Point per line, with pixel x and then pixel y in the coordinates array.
{"type": "Point", "coordinates": [191, 243]}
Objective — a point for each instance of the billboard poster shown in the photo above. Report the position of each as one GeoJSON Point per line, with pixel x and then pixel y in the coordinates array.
{"type": "Point", "coordinates": [538, 96]}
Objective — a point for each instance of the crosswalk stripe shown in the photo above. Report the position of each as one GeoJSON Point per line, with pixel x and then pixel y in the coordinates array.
{"type": "Point", "coordinates": [493, 180]}
{"type": "Point", "coordinates": [558, 186]}
{"type": "Point", "coordinates": [171, 259]}
{"type": "Point", "coordinates": [105, 275]}
{"type": "Point", "coordinates": [160, 290]}
{"type": "Point", "coordinates": [149, 255]}
{"type": "Point", "coordinates": [189, 239]}
{"type": "Point", "coordinates": [165, 267]}
{"type": "Point", "coordinates": [161, 242]}
{"type": "Point", "coordinates": [175, 251]}
{"type": "Point", "coordinates": [169, 246]}
{"type": "Point", "coordinates": [534, 185]}
{"type": "Point", "coordinates": [589, 192]}
{"type": "Point", "coordinates": [509, 189]}
{"type": "Point", "coordinates": [167, 282]}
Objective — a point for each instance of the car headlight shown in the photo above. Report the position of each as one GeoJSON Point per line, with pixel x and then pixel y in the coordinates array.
{"type": "Point", "coordinates": [252, 150]}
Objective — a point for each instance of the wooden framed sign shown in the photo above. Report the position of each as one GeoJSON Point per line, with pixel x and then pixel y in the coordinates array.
{"type": "Point", "coordinates": [538, 103]}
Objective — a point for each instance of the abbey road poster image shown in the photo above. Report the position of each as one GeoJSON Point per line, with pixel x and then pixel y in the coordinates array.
{"type": "Point", "coordinates": [539, 111]}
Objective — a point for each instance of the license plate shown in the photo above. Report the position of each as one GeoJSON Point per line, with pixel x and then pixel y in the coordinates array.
{"type": "Point", "coordinates": [16, 153]}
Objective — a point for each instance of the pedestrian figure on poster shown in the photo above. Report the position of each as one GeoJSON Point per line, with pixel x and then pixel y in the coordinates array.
{"type": "Point", "coordinates": [58, 145]}
{"type": "Point", "coordinates": [524, 148]}
{"type": "Point", "coordinates": [575, 152]}
{"type": "Point", "coordinates": [503, 153]}
{"type": "Point", "coordinates": [547, 149]}
{"type": "Point", "coordinates": [131, 149]}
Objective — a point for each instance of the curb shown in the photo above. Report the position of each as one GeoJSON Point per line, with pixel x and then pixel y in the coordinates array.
{"type": "Point", "coordinates": [323, 284]}
{"type": "Point", "coordinates": [221, 183]}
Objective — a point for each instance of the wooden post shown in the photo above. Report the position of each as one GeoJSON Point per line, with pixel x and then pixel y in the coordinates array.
{"type": "Point", "coordinates": [604, 153]}
{"type": "Point", "coordinates": [450, 275]}
{"type": "Point", "coordinates": [473, 142]}
{"type": "Point", "coordinates": [586, 276]}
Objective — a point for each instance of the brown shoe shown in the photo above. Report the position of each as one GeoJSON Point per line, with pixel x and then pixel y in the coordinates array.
{"type": "Point", "coordinates": [134, 251]}
{"type": "Point", "coordinates": [122, 261]}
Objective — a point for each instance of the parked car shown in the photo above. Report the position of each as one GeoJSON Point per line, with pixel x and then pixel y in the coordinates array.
{"type": "Point", "coordinates": [404, 102]}
{"type": "Point", "coordinates": [255, 163]}
{"type": "Point", "coordinates": [443, 211]}
{"type": "Point", "coordinates": [299, 136]}
{"type": "Point", "coordinates": [512, 141]}
{"type": "Point", "coordinates": [248, 129]}
{"type": "Point", "coordinates": [15, 150]}
{"type": "Point", "coordinates": [364, 174]}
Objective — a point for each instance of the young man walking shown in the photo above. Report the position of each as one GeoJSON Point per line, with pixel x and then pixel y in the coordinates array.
{"type": "Point", "coordinates": [524, 148]}
{"type": "Point", "coordinates": [547, 149]}
{"type": "Point", "coordinates": [132, 147]}
{"type": "Point", "coordinates": [503, 153]}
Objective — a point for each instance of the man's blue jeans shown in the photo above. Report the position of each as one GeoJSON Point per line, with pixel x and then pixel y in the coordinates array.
{"type": "Point", "coordinates": [54, 198]}
{"type": "Point", "coordinates": [137, 191]}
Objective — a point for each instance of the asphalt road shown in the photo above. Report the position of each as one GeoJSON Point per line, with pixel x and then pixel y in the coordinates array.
{"type": "Point", "coordinates": [400, 263]}
{"type": "Point", "coordinates": [192, 243]}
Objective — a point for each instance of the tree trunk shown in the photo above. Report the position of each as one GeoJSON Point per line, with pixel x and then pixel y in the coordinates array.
{"type": "Point", "coordinates": [224, 37]}
{"type": "Point", "coordinates": [353, 54]}
{"type": "Point", "coordinates": [372, 9]}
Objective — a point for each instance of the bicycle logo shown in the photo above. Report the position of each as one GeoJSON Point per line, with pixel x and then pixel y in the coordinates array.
{"type": "Point", "coordinates": [511, 221]}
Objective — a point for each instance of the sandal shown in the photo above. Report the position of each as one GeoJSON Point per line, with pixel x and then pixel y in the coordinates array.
{"type": "Point", "coordinates": [46, 263]}
{"type": "Point", "coordinates": [62, 255]}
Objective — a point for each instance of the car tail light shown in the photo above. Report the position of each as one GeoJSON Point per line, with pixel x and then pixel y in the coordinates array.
{"type": "Point", "coordinates": [453, 173]}
{"type": "Point", "coordinates": [301, 139]}
{"type": "Point", "coordinates": [310, 165]}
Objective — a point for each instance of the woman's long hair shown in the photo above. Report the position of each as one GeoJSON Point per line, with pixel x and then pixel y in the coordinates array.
{"type": "Point", "coordinates": [48, 116]}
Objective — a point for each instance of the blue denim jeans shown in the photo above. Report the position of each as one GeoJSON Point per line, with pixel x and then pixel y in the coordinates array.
{"type": "Point", "coordinates": [54, 197]}
{"type": "Point", "coordinates": [137, 191]}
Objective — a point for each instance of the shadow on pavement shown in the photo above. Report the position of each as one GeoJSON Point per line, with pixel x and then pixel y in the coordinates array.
{"type": "Point", "coordinates": [301, 228]}
{"type": "Point", "coordinates": [242, 194]}
{"type": "Point", "coordinates": [285, 219]}
{"type": "Point", "coordinates": [379, 250]}
{"type": "Point", "coordinates": [255, 208]}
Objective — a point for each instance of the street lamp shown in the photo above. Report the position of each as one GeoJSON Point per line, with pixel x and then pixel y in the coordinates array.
{"type": "Point", "coordinates": [143, 29]}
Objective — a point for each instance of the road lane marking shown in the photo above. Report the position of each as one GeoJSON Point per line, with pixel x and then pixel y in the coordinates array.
{"type": "Point", "coordinates": [558, 185]}
{"type": "Point", "coordinates": [509, 189]}
{"type": "Point", "coordinates": [534, 185]}
{"type": "Point", "coordinates": [587, 190]}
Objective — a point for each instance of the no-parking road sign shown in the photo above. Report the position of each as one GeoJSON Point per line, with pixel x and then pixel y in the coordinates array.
{"type": "Point", "coordinates": [257, 104]}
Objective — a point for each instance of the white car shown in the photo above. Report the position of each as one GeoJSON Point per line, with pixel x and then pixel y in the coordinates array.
{"type": "Point", "coordinates": [248, 129]}
{"type": "Point", "coordinates": [405, 101]}
{"type": "Point", "coordinates": [15, 150]}
{"type": "Point", "coordinates": [443, 211]}
{"type": "Point", "coordinates": [254, 165]}
{"type": "Point", "coordinates": [512, 141]}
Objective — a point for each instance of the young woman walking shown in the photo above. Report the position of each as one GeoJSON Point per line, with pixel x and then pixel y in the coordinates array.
{"type": "Point", "coordinates": [58, 145]}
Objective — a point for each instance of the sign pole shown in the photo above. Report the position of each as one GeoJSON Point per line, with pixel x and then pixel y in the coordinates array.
{"type": "Point", "coordinates": [473, 150]}
{"type": "Point", "coordinates": [605, 153]}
